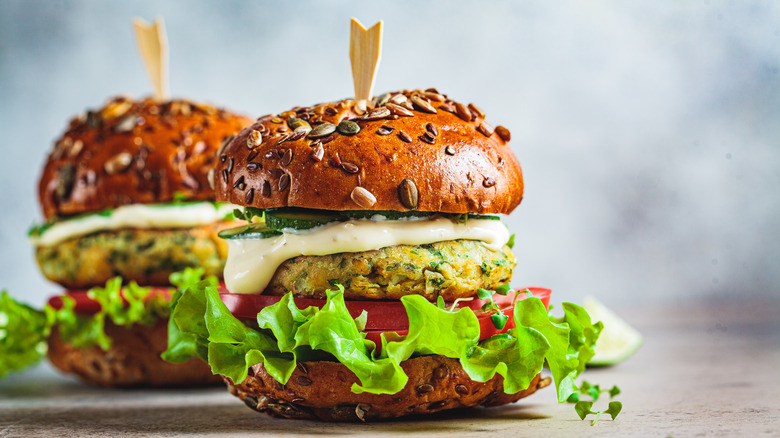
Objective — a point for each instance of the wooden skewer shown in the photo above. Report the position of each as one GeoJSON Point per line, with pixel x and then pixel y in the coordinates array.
{"type": "Point", "coordinates": [153, 45]}
{"type": "Point", "coordinates": [365, 50]}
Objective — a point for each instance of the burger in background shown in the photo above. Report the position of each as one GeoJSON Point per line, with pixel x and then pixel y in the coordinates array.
{"type": "Point", "coordinates": [128, 200]}
{"type": "Point", "coordinates": [372, 279]}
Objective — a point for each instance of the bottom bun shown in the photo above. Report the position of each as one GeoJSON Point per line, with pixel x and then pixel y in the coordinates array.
{"type": "Point", "coordinates": [322, 390]}
{"type": "Point", "coordinates": [133, 359]}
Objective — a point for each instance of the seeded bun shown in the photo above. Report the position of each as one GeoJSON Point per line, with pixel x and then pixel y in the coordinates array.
{"type": "Point", "coordinates": [407, 150]}
{"type": "Point", "coordinates": [133, 359]}
{"type": "Point", "coordinates": [322, 390]}
{"type": "Point", "coordinates": [135, 152]}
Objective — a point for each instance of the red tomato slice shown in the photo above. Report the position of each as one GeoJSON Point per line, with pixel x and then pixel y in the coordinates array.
{"type": "Point", "coordinates": [87, 306]}
{"type": "Point", "coordinates": [383, 316]}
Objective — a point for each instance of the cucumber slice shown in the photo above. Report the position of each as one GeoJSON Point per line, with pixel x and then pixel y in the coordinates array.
{"type": "Point", "coordinates": [251, 231]}
{"type": "Point", "coordinates": [303, 218]}
{"type": "Point", "coordinates": [299, 219]}
{"type": "Point", "coordinates": [617, 342]}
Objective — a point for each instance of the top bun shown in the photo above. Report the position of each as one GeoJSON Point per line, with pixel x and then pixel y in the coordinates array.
{"type": "Point", "coordinates": [131, 152]}
{"type": "Point", "coordinates": [405, 150]}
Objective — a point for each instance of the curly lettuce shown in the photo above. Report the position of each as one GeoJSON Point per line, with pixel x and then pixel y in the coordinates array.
{"type": "Point", "coordinates": [285, 334]}
{"type": "Point", "coordinates": [24, 330]}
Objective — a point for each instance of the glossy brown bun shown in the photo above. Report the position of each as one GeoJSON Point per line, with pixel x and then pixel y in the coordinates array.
{"type": "Point", "coordinates": [322, 390]}
{"type": "Point", "coordinates": [135, 152]}
{"type": "Point", "coordinates": [133, 359]}
{"type": "Point", "coordinates": [414, 150]}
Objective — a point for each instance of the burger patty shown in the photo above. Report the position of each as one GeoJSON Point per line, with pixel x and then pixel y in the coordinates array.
{"type": "Point", "coordinates": [147, 256]}
{"type": "Point", "coordinates": [452, 269]}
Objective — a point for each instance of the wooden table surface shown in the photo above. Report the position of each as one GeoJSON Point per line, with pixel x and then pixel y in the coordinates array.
{"type": "Point", "coordinates": [711, 370]}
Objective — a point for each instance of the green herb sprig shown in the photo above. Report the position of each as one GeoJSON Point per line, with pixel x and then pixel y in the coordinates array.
{"type": "Point", "coordinates": [585, 407]}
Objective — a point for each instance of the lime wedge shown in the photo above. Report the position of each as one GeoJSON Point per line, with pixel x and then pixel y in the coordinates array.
{"type": "Point", "coordinates": [618, 340]}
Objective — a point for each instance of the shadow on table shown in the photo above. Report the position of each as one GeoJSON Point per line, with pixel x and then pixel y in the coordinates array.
{"type": "Point", "coordinates": [231, 416]}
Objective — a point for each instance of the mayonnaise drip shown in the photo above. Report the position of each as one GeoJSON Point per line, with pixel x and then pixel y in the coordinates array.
{"type": "Point", "coordinates": [251, 263]}
{"type": "Point", "coordinates": [134, 216]}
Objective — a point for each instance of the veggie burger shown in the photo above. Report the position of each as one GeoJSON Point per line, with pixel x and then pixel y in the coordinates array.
{"type": "Point", "coordinates": [372, 277]}
{"type": "Point", "coordinates": [127, 202]}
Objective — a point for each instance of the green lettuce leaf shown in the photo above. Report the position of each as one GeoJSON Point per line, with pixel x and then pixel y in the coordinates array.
{"type": "Point", "coordinates": [285, 334]}
{"type": "Point", "coordinates": [23, 333]}
{"type": "Point", "coordinates": [192, 340]}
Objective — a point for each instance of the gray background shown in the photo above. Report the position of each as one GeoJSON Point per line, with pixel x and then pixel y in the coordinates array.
{"type": "Point", "coordinates": [649, 133]}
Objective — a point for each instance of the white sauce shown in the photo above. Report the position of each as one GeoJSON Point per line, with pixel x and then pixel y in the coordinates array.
{"type": "Point", "coordinates": [252, 262]}
{"type": "Point", "coordinates": [134, 216]}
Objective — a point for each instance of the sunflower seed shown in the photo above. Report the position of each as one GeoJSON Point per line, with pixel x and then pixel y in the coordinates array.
{"type": "Point", "coordinates": [475, 109]}
{"type": "Point", "coordinates": [449, 150]}
{"type": "Point", "coordinates": [347, 127]}
{"type": "Point", "coordinates": [252, 155]}
{"type": "Point", "coordinates": [422, 104]}
{"type": "Point", "coordinates": [322, 130]}
{"type": "Point", "coordinates": [328, 139]}
{"type": "Point", "coordinates": [336, 160]}
{"type": "Point", "coordinates": [224, 176]}
{"type": "Point", "coordinates": [314, 143]}
{"type": "Point", "coordinates": [362, 197]}
{"type": "Point", "coordinates": [302, 367]}
{"type": "Point", "coordinates": [66, 178]}
{"type": "Point", "coordinates": [399, 110]}
{"type": "Point", "coordinates": [404, 136]}
{"type": "Point", "coordinates": [287, 158]}
{"type": "Point", "coordinates": [117, 108]}
{"type": "Point", "coordinates": [503, 133]}
{"type": "Point", "coordinates": [75, 150]}
{"type": "Point", "coordinates": [210, 178]}
{"type": "Point", "coordinates": [240, 184]}
{"type": "Point", "coordinates": [430, 127]}
{"type": "Point", "coordinates": [424, 388]}
{"type": "Point", "coordinates": [436, 97]}
{"type": "Point", "coordinates": [251, 402]}
{"type": "Point", "coordinates": [329, 110]}
{"type": "Point", "coordinates": [461, 389]}
{"type": "Point", "coordinates": [303, 380]}
{"type": "Point", "coordinates": [407, 192]}
{"type": "Point", "coordinates": [231, 163]}
{"type": "Point", "coordinates": [488, 182]}
{"type": "Point", "coordinates": [398, 99]}
{"type": "Point", "coordinates": [360, 411]}
{"type": "Point", "coordinates": [253, 167]}
{"type": "Point", "coordinates": [427, 138]}
{"type": "Point", "coordinates": [360, 107]}
{"type": "Point", "coordinates": [317, 153]}
{"type": "Point", "coordinates": [250, 196]}
{"type": "Point", "coordinates": [385, 130]}
{"type": "Point", "coordinates": [447, 107]}
{"type": "Point", "coordinates": [441, 372]}
{"type": "Point", "coordinates": [282, 139]}
{"type": "Point", "coordinates": [350, 168]}
{"type": "Point", "coordinates": [118, 163]}
{"type": "Point", "coordinates": [266, 192]}
{"type": "Point", "coordinates": [254, 139]}
{"type": "Point", "coordinates": [485, 128]}
{"type": "Point", "coordinates": [463, 112]}
{"type": "Point", "coordinates": [436, 405]}
{"type": "Point", "coordinates": [126, 123]}
{"type": "Point", "coordinates": [284, 182]}
{"type": "Point", "coordinates": [377, 114]}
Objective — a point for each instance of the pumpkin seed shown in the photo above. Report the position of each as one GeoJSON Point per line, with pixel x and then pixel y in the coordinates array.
{"type": "Point", "coordinates": [347, 127]}
{"type": "Point", "coordinates": [407, 192]}
{"type": "Point", "coordinates": [322, 130]}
